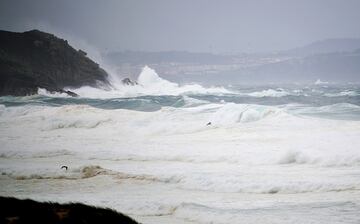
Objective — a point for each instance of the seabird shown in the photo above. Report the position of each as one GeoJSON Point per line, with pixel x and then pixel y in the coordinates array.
{"type": "Point", "coordinates": [65, 167]}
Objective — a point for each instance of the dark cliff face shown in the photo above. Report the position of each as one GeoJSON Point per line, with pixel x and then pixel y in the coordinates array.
{"type": "Point", "coordinates": [36, 59]}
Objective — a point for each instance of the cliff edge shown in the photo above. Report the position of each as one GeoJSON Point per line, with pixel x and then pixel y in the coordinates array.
{"type": "Point", "coordinates": [35, 59]}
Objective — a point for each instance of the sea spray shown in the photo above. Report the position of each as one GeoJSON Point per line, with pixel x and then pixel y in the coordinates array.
{"type": "Point", "coordinates": [149, 83]}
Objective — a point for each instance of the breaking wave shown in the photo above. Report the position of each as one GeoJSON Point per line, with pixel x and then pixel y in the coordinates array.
{"type": "Point", "coordinates": [345, 111]}
{"type": "Point", "coordinates": [231, 113]}
{"type": "Point", "coordinates": [342, 93]}
{"type": "Point", "coordinates": [85, 172]}
{"type": "Point", "coordinates": [149, 83]}
{"type": "Point", "coordinates": [264, 212]}
{"type": "Point", "coordinates": [71, 174]}
{"type": "Point", "coordinates": [44, 92]}
{"type": "Point", "coordinates": [279, 92]}
{"type": "Point", "coordinates": [330, 160]}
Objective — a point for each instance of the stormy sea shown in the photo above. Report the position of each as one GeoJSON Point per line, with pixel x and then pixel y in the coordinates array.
{"type": "Point", "coordinates": [163, 152]}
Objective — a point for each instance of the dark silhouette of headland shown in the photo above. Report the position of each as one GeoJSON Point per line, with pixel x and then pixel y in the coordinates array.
{"type": "Point", "coordinates": [16, 211]}
{"type": "Point", "coordinates": [35, 59]}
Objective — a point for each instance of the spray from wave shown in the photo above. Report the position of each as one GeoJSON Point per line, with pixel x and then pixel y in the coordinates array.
{"type": "Point", "coordinates": [149, 83]}
{"type": "Point", "coordinates": [279, 92]}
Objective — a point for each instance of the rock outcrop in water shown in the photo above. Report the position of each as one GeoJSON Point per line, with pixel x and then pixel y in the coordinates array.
{"type": "Point", "coordinates": [34, 59]}
{"type": "Point", "coordinates": [129, 82]}
{"type": "Point", "coordinates": [29, 211]}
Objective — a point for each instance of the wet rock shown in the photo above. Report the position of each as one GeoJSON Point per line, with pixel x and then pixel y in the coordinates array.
{"type": "Point", "coordinates": [129, 82]}
{"type": "Point", "coordinates": [34, 59]}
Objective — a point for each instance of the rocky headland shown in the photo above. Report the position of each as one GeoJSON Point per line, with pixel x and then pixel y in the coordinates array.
{"type": "Point", "coordinates": [16, 211]}
{"type": "Point", "coordinates": [35, 59]}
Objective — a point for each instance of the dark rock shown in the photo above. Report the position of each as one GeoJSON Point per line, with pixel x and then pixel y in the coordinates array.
{"type": "Point", "coordinates": [68, 92]}
{"type": "Point", "coordinates": [35, 59]}
{"type": "Point", "coordinates": [82, 52]}
{"type": "Point", "coordinates": [17, 211]}
{"type": "Point", "coordinates": [129, 82]}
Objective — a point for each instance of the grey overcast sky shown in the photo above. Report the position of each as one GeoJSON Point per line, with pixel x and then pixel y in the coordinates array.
{"type": "Point", "coordinates": [221, 26]}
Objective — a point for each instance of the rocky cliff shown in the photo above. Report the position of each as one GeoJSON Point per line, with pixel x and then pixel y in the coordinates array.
{"type": "Point", "coordinates": [34, 59]}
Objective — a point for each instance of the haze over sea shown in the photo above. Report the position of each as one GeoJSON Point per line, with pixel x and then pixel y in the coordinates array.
{"type": "Point", "coordinates": [162, 152]}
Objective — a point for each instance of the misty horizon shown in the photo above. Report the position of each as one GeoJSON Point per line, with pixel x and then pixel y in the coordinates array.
{"type": "Point", "coordinates": [79, 43]}
{"type": "Point", "coordinates": [203, 26]}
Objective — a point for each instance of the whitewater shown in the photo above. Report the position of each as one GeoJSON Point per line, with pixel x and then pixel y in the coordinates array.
{"type": "Point", "coordinates": [163, 152]}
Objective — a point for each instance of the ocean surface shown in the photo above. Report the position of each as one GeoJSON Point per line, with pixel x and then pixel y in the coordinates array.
{"type": "Point", "coordinates": [161, 152]}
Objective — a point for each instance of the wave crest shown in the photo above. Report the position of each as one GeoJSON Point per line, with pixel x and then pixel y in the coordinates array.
{"type": "Point", "coordinates": [231, 113]}
{"type": "Point", "coordinates": [85, 172]}
{"type": "Point", "coordinates": [149, 83]}
{"type": "Point", "coordinates": [270, 93]}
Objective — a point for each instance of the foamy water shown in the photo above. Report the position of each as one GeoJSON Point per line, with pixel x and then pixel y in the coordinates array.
{"type": "Point", "coordinates": [273, 154]}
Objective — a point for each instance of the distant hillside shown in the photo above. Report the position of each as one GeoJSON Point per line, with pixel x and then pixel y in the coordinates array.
{"type": "Point", "coordinates": [327, 46]}
{"type": "Point", "coordinates": [36, 59]}
{"type": "Point", "coordinates": [141, 57]}
{"type": "Point", "coordinates": [333, 60]}
{"type": "Point", "coordinates": [332, 67]}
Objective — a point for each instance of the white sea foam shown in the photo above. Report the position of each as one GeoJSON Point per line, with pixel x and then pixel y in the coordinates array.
{"type": "Point", "coordinates": [342, 93]}
{"type": "Point", "coordinates": [319, 82]}
{"type": "Point", "coordinates": [295, 157]}
{"type": "Point", "coordinates": [44, 92]}
{"type": "Point", "coordinates": [266, 213]}
{"type": "Point", "coordinates": [231, 113]}
{"type": "Point", "coordinates": [82, 172]}
{"type": "Point", "coordinates": [150, 83]}
{"type": "Point", "coordinates": [270, 93]}
{"type": "Point", "coordinates": [338, 110]}
{"type": "Point", "coordinates": [169, 164]}
{"type": "Point", "coordinates": [192, 102]}
{"type": "Point", "coordinates": [57, 173]}
{"type": "Point", "coordinates": [2, 109]}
